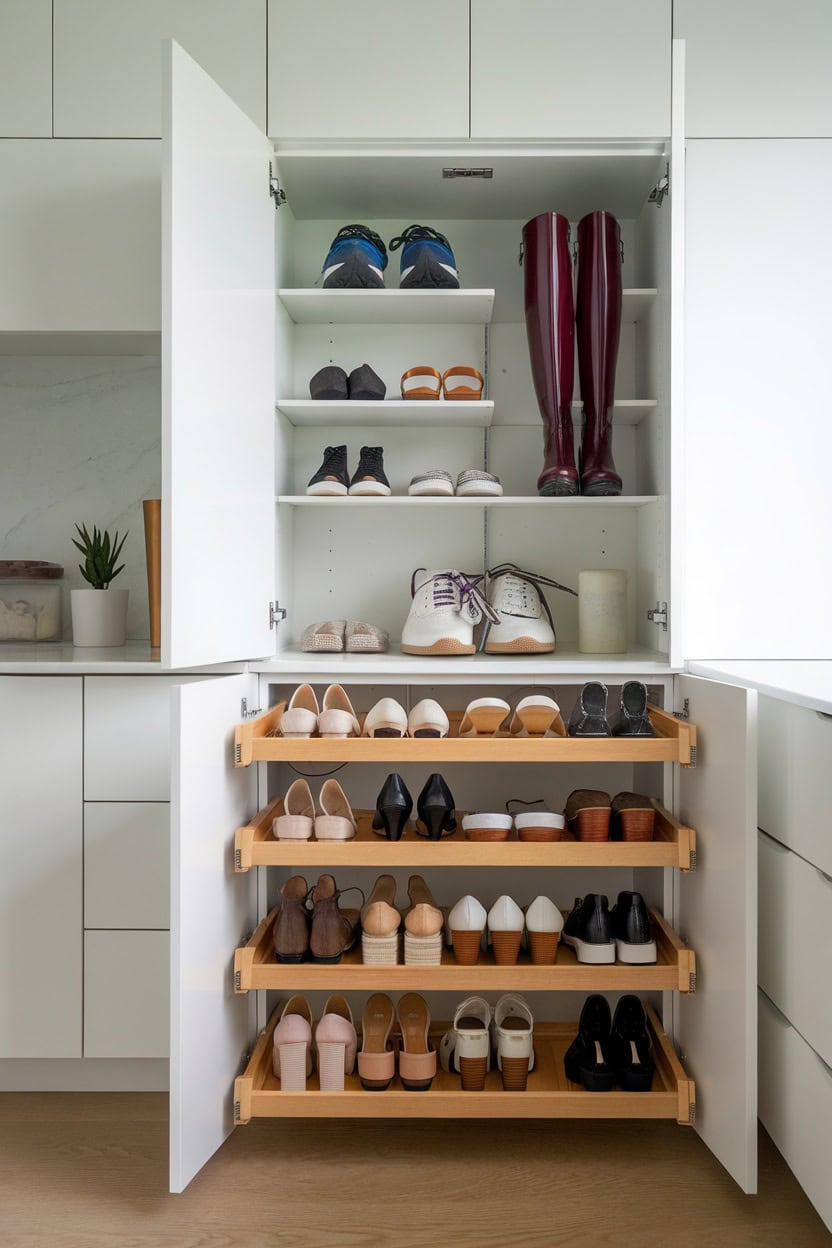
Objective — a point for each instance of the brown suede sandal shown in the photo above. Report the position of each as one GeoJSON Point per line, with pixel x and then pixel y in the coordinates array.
{"type": "Point", "coordinates": [377, 1058]}
{"type": "Point", "coordinates": [417, 1060]}
{"type": "Point", "coordinates": [334, 930]}
{"type": "Point", "coordinates": [633, 818]}
{"type": "Point", "coordinates": [291, 925]}
{"type": "Point", "coordinates": [587, 812]}
{"type": "Point", "coordinates": [423, 391]}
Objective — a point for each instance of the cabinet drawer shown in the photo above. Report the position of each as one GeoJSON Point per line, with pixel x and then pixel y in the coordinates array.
{"type": "Point", "coordinates": [795, 950]}
{"type": "Point", "coordinates": [795, 1104]}
{"type": "Point", "coordinates": [126, 994]}
{"type": "Point", "coordinates": [126, 864]}
{"type": "Point", "coordinates": [794, 792]}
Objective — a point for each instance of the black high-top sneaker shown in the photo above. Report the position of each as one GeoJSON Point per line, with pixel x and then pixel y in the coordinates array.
{"type": "Point", "coordinates": [588, 1058]}
{"type": "Point", "coordinates": [332, 477]}
{"type": "Point", "coordinates": [369, 477]}
{"type": "Point", "coordinates": [632, 930]}
{"type": "Point", "coordinates": [588, 930]}
{"type": "Point", "coordinates": [357, 257]}
{"type": "Point", "coordinates": [630, 1048]}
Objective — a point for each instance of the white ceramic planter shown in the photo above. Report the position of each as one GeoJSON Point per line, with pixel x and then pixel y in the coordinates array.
{"type": "Point", "coordinates": [99, 616]}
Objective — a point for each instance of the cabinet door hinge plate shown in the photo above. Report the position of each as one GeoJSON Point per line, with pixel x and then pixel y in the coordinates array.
{"type": "Point", "coordinates": [659, 615]}
{"type": "Point", "coordinates": [275, 189]}
{"type": "Point", "coordinates": [276, 614]}
{"type": "Point", "coordinates": [661, 189]}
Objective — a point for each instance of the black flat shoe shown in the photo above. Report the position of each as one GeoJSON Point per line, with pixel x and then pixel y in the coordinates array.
{"type": "Point", "coordinates": [631, 718]}
{"type": "Point", "coordinates": [329, 382]}
{"type": "Point", "coordinates": [393, 808]}
{"type": "Point", "coordinates": [435, 805]}
{"type": "Point", "coordinates": [366, 384]}
{"type": "Point", "coordinates": [589, 714]}
{"type": "Point", "coordinates": [588, 1058]}
{"type": "Point", "coordinates": [632, 930]}
{"type": "Point", "coordinates": [630, 1047]}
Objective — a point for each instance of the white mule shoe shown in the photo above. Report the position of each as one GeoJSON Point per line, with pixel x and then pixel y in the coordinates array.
{"type": "Point", "coordinates": [427, 719]}
{"type": "Point", "coordinates": [336, 821]}
{"type": "Point", "coordinates": [337, 717]}
{"type": "Point", "coordinates": [300, 719]}
{"type": "Point", "coordinates": [466, 1048]}
{"type": "Point", "coordinates": [483, 717]}
{"type": "Point", "coordinates": [511, 1033]}
{"type": "Point", "coordinates": [537, 716]}
{"type": "Point", "coordinates": [505, 927]}
{"type": "Point", "coordinates": [544, 923]}
{"type": "Point", "coordinates": [386, 719]}
{"type": "Point", "coordinates": [298, 818]}
{"type": "Point", "coordinates": [466, 924]}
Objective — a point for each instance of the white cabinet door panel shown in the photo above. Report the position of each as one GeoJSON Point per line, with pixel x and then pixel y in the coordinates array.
{"type": "Point", "coordinates": [717, 1027]}
{"type": "Point", "coordinates": [26, 68]}
{"type": "Point", "coordinates": [757, 68]}
{"type": "Point", "coordinates": [126, 994]}
{"type": "Point", "coordinates": [550, 69]}
{"type": "Point", "coordinates": [218, 509]}
{"type": "Point", "coordinates": [361, 70]}
{"type": "Point", "coordinates": [80, 247]}
{"type": "Point", "coordinates": [127, 864]}
{"type": "Point", "coordinates": [795, 766]}
{"type": "Point", "coordinates": [212, 911]}
{"type": "Point", "coordinates": [758, 438]}
{"type": "Point", "coordinates": [41, 845]}
{"type": "Point", "coordinates": [108, 60]}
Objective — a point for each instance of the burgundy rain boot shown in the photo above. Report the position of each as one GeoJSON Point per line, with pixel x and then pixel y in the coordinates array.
{"type": "Point", "coordinates": [599, 326]}
{"type": "Point", "coordinates": [550, 328]}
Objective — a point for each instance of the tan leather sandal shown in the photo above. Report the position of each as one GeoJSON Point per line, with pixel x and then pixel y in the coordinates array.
{"type": "Point", "coordinates": [417, 1060]}
{"type": "Point", "coordinates": [377, 1058]}
{"type": "Point", "coordinates": [423, 391]}
{"type": "Point", "coordinates": [462, 391]}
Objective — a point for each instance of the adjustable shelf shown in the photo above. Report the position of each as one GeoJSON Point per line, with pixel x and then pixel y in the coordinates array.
{"type": "Point", "coordinates": [502, 500]}
{"type": "Point", "coordinates": [258, 740]}
{"type": "Point", "coordinates": [314, 306]}
{"type": "Point", "coordinates": [506, 669]}
{"type": "Point", "coordinates": [255, 967]}
{"type": "Point", "coordinates": [673, 845]}
{"type": "Point", "coordinates": [549, 1093]}
{"type": "Point", "coordinates": [429, 413]}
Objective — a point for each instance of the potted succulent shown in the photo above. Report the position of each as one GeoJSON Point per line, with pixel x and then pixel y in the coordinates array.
{"type": "Point", "coordinates": [99, 614]}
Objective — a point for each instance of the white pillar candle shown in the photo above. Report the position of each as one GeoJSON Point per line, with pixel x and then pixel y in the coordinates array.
{"type": "Point", "coordinates": [602, 612]}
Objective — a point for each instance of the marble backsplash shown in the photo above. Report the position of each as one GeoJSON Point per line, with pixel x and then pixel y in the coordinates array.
{"type": "Point", "coordinates": [79, 441]}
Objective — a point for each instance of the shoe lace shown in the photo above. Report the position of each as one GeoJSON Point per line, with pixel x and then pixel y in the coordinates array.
{"type": "Point", "coordinates": [517, 582]}
{"type": "Point", "coordinates": [362, 231]}
{"type": "Point", "coordinates": [456, 589]}
{"type": "Point", "coordinates": [418, 233]}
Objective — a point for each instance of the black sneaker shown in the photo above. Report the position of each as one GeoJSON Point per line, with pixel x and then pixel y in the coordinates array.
{"type": "Point", "coordinates": [630, 1050]}
{"type": "Point", "coordinates": [427, 259]}
{"type": "Point", "coordinates": [631, 718]}
{"type": "Point", "coordinates": [332, 477]}
{"type": "Point", "coordinates": [588, 930]}
{"type": "Point", "coordinates": [588, 1059]}
{"type": "Point", "coordinates": [369, 477]}
{"type": "Point", "coordinates": [589, 714]}
{"type": "Point", "coordinates": [356, 258]}
{"type": "Point", "coordinates": [632, 930]}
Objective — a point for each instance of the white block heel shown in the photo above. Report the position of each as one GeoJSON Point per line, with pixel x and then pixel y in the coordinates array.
{"type": "Point", "coordinates": [292, 1061]}
{"type": "Point", "coordinates": [331, 1065]}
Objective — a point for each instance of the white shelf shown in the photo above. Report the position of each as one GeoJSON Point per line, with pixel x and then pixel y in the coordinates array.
{"type": "Point", "coordinates": [637, 302]}
{"type": "Point", "coordinates": [389, 413]}
{"type": "Point", "coordinates": [502, 500]}
{"type": "Point", "coordinates": [625, 411]}
{"type": "Point", "coordinates": [312, 306]}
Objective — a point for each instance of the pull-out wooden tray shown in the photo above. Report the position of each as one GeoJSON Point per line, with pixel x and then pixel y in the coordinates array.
{"type": "Point", "coordinates": [549, 1093]}
{"type": "Point", "coordinates": [673, 845]}
{"type": "Point", "coordinates": [255, 966]}
{"type": "Point", "coordinates": [258, 741]}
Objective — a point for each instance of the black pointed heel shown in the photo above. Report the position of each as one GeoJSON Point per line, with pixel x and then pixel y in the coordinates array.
{"type": "Point", "coordinates": [436, 820]}
{"type": "Point", "coordinates": [393, 808]}
{"type": "Point", "coordinates": [436, 807]}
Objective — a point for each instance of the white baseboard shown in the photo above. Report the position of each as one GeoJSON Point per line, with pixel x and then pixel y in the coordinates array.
{"type": "Point", "coordinates": [83, 1074]}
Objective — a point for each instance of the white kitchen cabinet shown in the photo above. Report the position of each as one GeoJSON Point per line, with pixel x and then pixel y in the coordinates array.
{"type": "Point", "coordinates": [757, 68]}
{"type": "Point", "coordinates": [550, 69]}
{"type": "Point", "coordinates": [41, 866]}
{"type": "Point", "coordinates": [756, 333]}
{"type": "Point", "coordinates": [367, 70]}
{"type": "Point", "coordinates": [126, 1002]}
{"type": "Point", "coordinates": [126, 865]}
{"type": "Point", "coordinates": [107, 71]}
{"type": "Point", "coordinates": [80, 250]}
{"type": "Point", "coordinates": [26, 69]}
{"type": "Point", "coordinates": [795, 757]}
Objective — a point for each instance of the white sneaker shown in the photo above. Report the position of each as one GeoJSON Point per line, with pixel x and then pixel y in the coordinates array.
{"type": "Point", "coordinates": [525, 623]}
{"type": "Point", "coordinates": [446, 607]}
{"type": "Point", "coordinates": [435, 483]}
{"type": "Point", "coordinates": [475, 484]}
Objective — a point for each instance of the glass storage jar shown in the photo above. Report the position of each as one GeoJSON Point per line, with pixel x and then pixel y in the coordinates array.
{"type": "Point", "coordinates": [30, 600]}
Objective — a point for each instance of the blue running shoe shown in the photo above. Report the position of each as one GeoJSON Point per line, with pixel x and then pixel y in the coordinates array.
{"type": "Point", "coordinates": [357, 257]}
{"type": "Point", "coordinates": [427, 259]}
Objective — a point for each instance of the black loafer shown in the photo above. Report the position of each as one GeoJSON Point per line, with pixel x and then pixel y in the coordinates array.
{"type": "Point", "coordinates": [630, 1047]}
{"type": "Point", "coordinates": [589, 714]}
{"type": "Point", "coordinates": [588, 1058]}
{"type": "Point", "coordinates": [329, 383]}
{"type": "Point", "coordinates": [364, 384]}
{"type": "Point", "coordinates": [631, 719]}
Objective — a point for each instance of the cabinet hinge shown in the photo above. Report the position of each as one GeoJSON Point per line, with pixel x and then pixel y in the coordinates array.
{"type": "Point", "coordinates": [468, 171]}
{"type": "Point", "coordinates": [276, 614]}
{"type": "Point", "coordinates": [659, 615]}
{"type": "Point", "coordinates": [245, 713]}
{"type": "Point", "coordinates": [685, 711]}
{"type": "Point", "coordinates": [661, 189]}
{"type": "Point", "coordinates": [275, 189]}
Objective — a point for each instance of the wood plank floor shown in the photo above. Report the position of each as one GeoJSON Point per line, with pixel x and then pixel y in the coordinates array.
{"type": "Point", "coordinates": [90, 1171]}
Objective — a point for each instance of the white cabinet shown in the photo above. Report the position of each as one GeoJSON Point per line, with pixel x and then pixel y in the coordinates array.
{"type": "Point", "coordinates": [108, 60]}
{"type": "Point", "coordinates": [795, 760]}
{"type": "Point", "coordinates": [81, 245]}
{"type": "Point", "coordinates": [367, 70]}
{"type": "Point", "coordinates": [126, 1004]}
{"type": "Point", "coordinates": [25, 69]}
{"type": "Point", "coordinates": [126, 864]}
{"type": "Point", "coordinates": [550, 69]}
{"type": "Point", "coordinates": [755, 432]}
{"type": "Point", "coordinates": [757, 68]}
{"type": "Point", "coordinates": [41, 857]}
{"type": "Point", "coordinates": [127, 738]}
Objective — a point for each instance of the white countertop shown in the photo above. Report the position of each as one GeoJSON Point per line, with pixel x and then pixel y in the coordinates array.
{"type": "Point", "coordinates": [805, 682]}
{"type": "Point", "coordinates": [133, 659]}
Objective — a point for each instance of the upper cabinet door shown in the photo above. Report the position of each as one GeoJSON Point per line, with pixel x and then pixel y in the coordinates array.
{"type": "Point", "coordinates": [552, 69]}
{"type": "Point", "coordinates": [218, 298]}
{"type": "Point", "coordinates": [717, 1025]}
{"type": "Point", "coordinates": [26, 69]}
{"type": "Point", "coordinates": [757, 68]}
{"type": "Point", "coordinates": [107, 71]}
{"type": "Point", "coordinates": [368, 69]}
{"type": "Point", "coordinates": [758, 438]}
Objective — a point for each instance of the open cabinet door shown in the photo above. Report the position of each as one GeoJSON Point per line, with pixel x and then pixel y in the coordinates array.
{"type": "Point", "coordinates": [212, 912]}
{"type": "Point", "coordinates": [217, 374]}
{"type": "Point", "coordinates": [717, 1025]}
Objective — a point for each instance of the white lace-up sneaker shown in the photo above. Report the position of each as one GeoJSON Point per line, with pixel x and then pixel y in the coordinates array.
{"type": "Point", "coordinates": [446, 607]}
{"type": "Point", "coordinates": [525, 624]}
